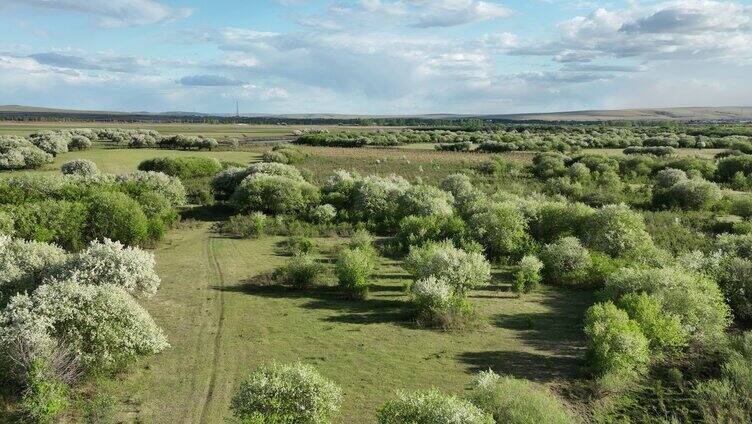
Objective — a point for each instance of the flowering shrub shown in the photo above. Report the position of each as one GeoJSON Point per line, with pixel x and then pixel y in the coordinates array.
{"type": "Point", "coordinates": [224, 183]}
{"type": "Point", "coordinates": [339, 189]}
{"type": "Point", "coordinates": [617, 231]}
{"type": "Point", "coordinates": [19, 153]}
{"type": "Point", "coordinates": [424, 200]}
{"type": "Point", "coordinates": [110, 262]}
{"type": "Point", "coordinates": [501, 229]}
{"type": "Point", "coordinates": [515, 401]}
{"type": "Point", "coordinates": [295, 393]}
{"type": "Point", "coordinates": [432, 294]}
{"type": "Point", "coordinates": [463, 270]}
{"type": "Point", "coordinates": [323, 214]}
{"type": "Point", "coordinates": [695, 299]}
{"type": "Point", "coordinates": [666, 178]}
{"type": "Point", "coordinates": [430, 407]}
{"type": "Point", "coordinates": [137, 182]}
{"type": "Point", "coordinates": [49, 141]}
{"type": "Point", "coordinates": [274, 194]}
{"type": "Point", "coordinates": [79, 142]}
{"type": "Point", "coordinates": [616, 345]}
{"type": "Point", "coordinates": [353, 269]}
{"type": "Point", "coordinates": [419, 230]}
{"type": "Point", "coordinates": [102, 325]}
{"type": "Point", "coordinates": [376, 199]}
{"type": "Point", "coordinates": [566, 261]}
{"type": "Point", "coordinates": [79, 167]}
{"type": "Point", "coordinates": [528, 277]}
{"type": "Point", "coordinates": [467, 199]}
{"type": "Point", "coordinates": [24, 263]}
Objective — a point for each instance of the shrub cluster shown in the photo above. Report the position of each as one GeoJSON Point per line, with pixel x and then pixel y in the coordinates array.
{"type": "Point", "coordinates": [19, 153]}
{"type": "Point", "coordinates": [184, 167]}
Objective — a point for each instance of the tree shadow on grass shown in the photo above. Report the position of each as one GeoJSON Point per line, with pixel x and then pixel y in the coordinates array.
{"type": "Point", "coordinates": [379, 307]}
{"type": "Point", "coordinates": [558, 329]}
{"type": "Point", "coordinates": [531, 366]}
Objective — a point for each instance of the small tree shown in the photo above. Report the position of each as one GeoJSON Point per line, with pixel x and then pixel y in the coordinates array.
{"type": "Point", "coordinates": [79, 167]}
{"type": "Point", "coordinates": [353, 270]}
{"type": "Point", "coordinates": [528, 277]}
{"type": "Point", "coordinates": [463, 270]}
{"type": "Point", "coordinates": [616, 345]}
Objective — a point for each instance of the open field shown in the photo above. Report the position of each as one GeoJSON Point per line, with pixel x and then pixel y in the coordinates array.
{"type": "Point", "coordinates": [212, 303]}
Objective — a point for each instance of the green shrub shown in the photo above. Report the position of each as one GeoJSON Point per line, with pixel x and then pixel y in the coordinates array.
{"type": "Point", "coordinates": [501, 229]}
{"type": "Point", "coordinates": [19, 153]}
{"type": "Point", "coordinates": [245, 226]}
{"type": "Point", "coordinates": [663, 330]}
{"type": "Point", "coordinates": [51, 221]}
{"type": "Point", "coordinates": [323, 214]}
{"type": "Point", "coordinates": [735, 279]}
{"type": "Point", "coordinates": [185, 167]}
{"type": "Point", "coordinates": [566, 262]}
{"type": "Point", "coordinates": [438, 305]}
{"type": "Point", "coordinates": [554, 220]}
{"type": "Point", "coordinates": [430, 407]}
{"type": "Point", "coordinates": [45, 397]}
{"type": "Point", "coordinates": [419, 230]}
{"type": "Point", "coordinates": [49, 141]}
{"type": "Point", "coordinates": [688, 194]}
{"type": "Point", "coordinates": [274, 195]}
{"type": "Point", "coordinates": [6, 223]}
{"type": "Point", "coordinates": [286, 394]}
{"type": "Point", "coordinates": [300, 271]}
{"type": "Point", "coordinates": [730, 166]}
{"type": "Point", "coordinates": [298, 245]}
{"type": "Point", "coordinates": [283, 154]}
{"type": "Point", "coordinates": [353, 270]}
{"type": "Point", "coordinates": [425, 200]}
{"type": "Point", "coordinates": [467, 199]}
{"type": "Point", "coordinates": [136, 183]}
{"type": "Point", "coordinates": [528, 275]}
{"type": "Point", "coordinates": [117, 217]}
{"type": "Point", "coordinates": [361, 239]}
{"type": "Point", "coordinates": [695, 299]}
{"type": "Point", "coordinates": [617, 231]}
{"type": "Point", "coordinates": [376, 199]}
{"type": "Point", "coordinates": [514, 401]}
{"type": "Point", "coordinates": [741, 205]}
{"type": "Point", "coordinates": [616, 345]}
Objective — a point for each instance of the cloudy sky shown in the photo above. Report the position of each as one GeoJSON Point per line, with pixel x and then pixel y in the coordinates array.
{"type": "Point", "coordinates": [374, 56]}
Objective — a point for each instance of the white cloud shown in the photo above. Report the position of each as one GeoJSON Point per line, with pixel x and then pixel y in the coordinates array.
{"type": "Point", "coordinates": [114, 13]}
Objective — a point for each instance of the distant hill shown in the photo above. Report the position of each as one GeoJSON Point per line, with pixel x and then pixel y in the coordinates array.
{"type": "Point", "coordinates": [725, 113]}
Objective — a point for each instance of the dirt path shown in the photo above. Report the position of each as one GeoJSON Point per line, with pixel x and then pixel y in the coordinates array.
{"type": "Point", "coordinates": [217, 271]}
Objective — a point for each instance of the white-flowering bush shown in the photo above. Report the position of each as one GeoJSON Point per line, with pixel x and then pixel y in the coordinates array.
{"type": "Point", "coordinates": [137, 182]}
{"type": "Point", "coordinates": [668, 177]}
{"type": "Point", "coordinates": [273, 168]}
{"type": "Point", "coordinates": [430, 407]}
{"type": "Point", "coordinates": [79, 142]}
{"type": "Point", "coordinates": [463, 270]}
{"type": "Point", "coordinates": [79, 167]}
{"type": "Point", "coordinates": [6, 223]}
{"type": "Point", "coordinates": [565, 261]}
{"type": "Point", "coordinates": [467, 199]}
{"type": "Point", "coordinates": [224, 183]}
{"type": "Point", "coordinates": [695, 299]}
{"type": "Point", "coordinates": [432, 293]}
{"type": "Point", "coordinates": [24, 263]}
{"type": "Point", "coordinates": [19, 153]}
{"type": "Point", "coordinates": [102, 325]}
{"type": "Point", "coordinates": [323, 214]}
{"type": "Point", "coordinates": [24, 337]}
{"type": "Point", "coordinates": [425, 200]}
{"type": "Point", "coordinates": [294, 393]}
{"type": "Point", "coordinates": [110, 262]}
{"type": "Point", "coordinates": [616, 230]}
{"type": "Point", "coordinates": [51, 142]}
{"type": "Point", "coordinates": [528, 275]}
{"type": "Point", "coordinates": [375, 198]}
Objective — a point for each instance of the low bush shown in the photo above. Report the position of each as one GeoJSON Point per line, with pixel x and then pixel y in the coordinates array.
{"type": "Point", "coordinates": [501, 229]}
{"type": "Point", "coordinates": [663, 330]}
{"type": "Point", "coordinates": [79, 142]}
{"type": "Point", "coordinates": [438, 305]}
{"type": "Point", "coordinates": [295, 393]}
{"type": "Point", "coordinates": [616, 230]}
{"type": "Point", "coordinates": [323, 214]}
{"type": "Point", "coordinates": [136, 183]}
{"type": "Point", "coordinates": [514, 401]}
{"type": "Point", "coordinates": [23, 264]}
{"type": "Point", "coordinates": [566, 262]}
{"type": "Point", "coordinates": [117, 217]}
{"type": "Point", "coordinates": [688, 194]}
{"type": "Point", "coordinates": [554, 220]}
{"type": "Point", "coordinates": [49, 141]}
{"type": "Point", "coordinates": [425, 200]}
{"type": "Point", "coordinates": [430, 407]}
{"type": "Point", "coordinates": [300, 271]}
{"type": "Point", "coordinates": [462, 270]}
{"type": "Point", "coordinates": [110, 262]}
{"type": "Point", "coordinates": [183, 167]}
{"type": "Point", "coordinates": [695, 299]}
{"type": "Point", "coordinates": [283, 154]}
{"type": "Point", "coordinates": [419, 230]}
{"type": "Point", "coordinates": [353, 270]}
{"type": "Point", "coordinates": [274, 195]}
{"type": "Point", "coordinates": [528, 274]}
{"type": "Point", "coordinates": [51, 221]}
{"type": "Point", "coordinates": [45, 397]}
{"type": "Point", "coordinates": [79, 167]}
{"type": "Point", "coordinates": [616, 344]}
{"type": "Point", "coordinates": [735, 278]}
{"type": "Point", "coordinates": [298, 245]}
{"type": "Point", "coordinates": [19, 153]}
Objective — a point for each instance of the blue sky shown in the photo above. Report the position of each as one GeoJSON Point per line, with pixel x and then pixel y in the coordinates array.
{"type": "Point", "coordinates": [374, 56]}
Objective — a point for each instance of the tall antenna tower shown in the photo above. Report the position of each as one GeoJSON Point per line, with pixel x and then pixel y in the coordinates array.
{"type": "Point", "coordinates": [237, 109]}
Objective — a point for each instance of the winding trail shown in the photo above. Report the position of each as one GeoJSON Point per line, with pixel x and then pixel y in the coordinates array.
{"type": "Point", "coordinates": [217, 270]}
